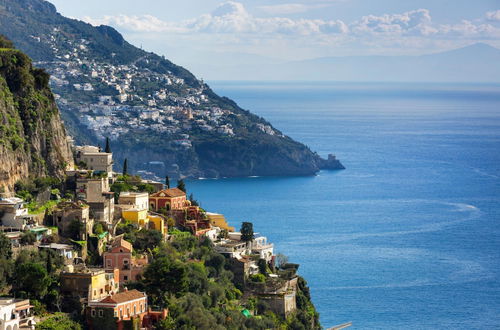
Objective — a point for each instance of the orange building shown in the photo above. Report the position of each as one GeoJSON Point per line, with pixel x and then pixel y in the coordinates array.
{"type": "Point", "coordinates": [168, 199]}
{"type": "Point", "coordinates": [114, 312]}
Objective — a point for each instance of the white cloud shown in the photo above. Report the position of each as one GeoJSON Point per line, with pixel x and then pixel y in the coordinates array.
{"type": "Point", "coordinates": [493, 15]}
{"type": "Point", "coordinates": [415, 22]}
{"type": "Point", "coordinates": [229, 17]}
{"type": "Point", "coordinates": [291, 8]}
{"type": "Point", "coordinates": [231, 27]}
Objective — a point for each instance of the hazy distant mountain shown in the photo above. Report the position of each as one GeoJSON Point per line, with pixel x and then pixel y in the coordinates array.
{"type": "Point", "coordinates": [476, 63]}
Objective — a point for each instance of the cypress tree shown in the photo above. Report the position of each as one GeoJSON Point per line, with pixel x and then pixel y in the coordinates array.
{"type": "Point", "coordinates": [181, 185]}
{"type": "Point", "coordinates": [125, 167]}
{"type": "Point", "coordinates": [107, 149]}
{"type": "Point", "coordinates": [167, 182]}
{"type": "Point", "coordinates": [49, 262]}
{"type": "Point", "coordinates": [247, 232]}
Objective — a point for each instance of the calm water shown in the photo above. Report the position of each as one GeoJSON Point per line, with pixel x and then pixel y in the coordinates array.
{"type": "Point", "coordinates": [407, 237]}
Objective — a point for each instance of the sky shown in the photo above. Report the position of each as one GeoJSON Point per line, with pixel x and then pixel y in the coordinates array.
{"type": "Point", "coordinates": [207, 31]}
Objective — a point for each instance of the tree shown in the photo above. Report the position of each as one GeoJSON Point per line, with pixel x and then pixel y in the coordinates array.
{"type": "Point", "coordinates": [247, 232]}
{"type": "Point", "coordinates": [167, 182]}
{"type": "Point", "coordinates": [31, 280]}
{"type": "Point", "coordinates": [166, 276]}
{"type": "Point", "coordinates": [58, 321]}
{"type": "Point", "coordinates": [193, 201]}
{"type": "Point", "coordinates": [125, 167]}
{"type": "Point", "coordinates": [181, 185]}
{"type": "Point", "coordinates": [147, 238]}
{"type": "Point", "coordinates": [28, 238]}
{"type": "Point", "coordinates": [107, 149]}
{"type": "Point", "coordinates": [5, 247]}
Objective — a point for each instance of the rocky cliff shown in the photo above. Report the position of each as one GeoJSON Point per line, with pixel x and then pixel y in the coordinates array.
{"type": "Point", "coordinates": [33, 140]}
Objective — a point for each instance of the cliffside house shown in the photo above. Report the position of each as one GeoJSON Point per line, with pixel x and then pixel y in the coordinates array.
{"type": "Point", "coordinates": [258, 246]}
{"type": "Point", "coordinates": [261, 247]}
{"type": "Point", "coordinates": [134, 208]}
{"type": "Point", "coordinates": [89, 284]}
{"type": "Point", "coordinates": [119, 311]}
{"type": "Point", "coordinates": [119, 256]}
{"type": "Point", "coordinates": [95, 159]}
{"type": "Point", "coordinates": [168, 199]}
{"type": "Point", "coordinates": [281, 296]}
{"type": "Point", "coordinates": [70, 215]}
{"type": "Point", "coordinates": [218, 220]}
{"type": "Point", "coordinates": [95, 192]}
{"type": "Point", "coordinates": [193, 218]}
{"type": "Point", "coordinates": [15, 313]}
{"type": "Point", "coordinates": [64, 250]}
{"type": "Point", "coordinates": [14, 214]}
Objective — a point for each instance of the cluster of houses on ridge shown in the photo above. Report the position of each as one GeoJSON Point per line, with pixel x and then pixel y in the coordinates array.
{"type": "Point", "coordinates": [103, 289]}
{"type": "Point", "coordinates": [122, 97]}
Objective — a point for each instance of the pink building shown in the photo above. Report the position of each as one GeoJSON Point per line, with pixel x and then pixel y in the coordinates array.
{"type": "Point", "coordinates": [120, 257]}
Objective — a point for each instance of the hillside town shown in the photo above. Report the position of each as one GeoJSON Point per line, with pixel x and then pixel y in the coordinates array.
{"type": "Point", "coordinates": [102, 224]}
{"type": "Point", "coordinates": [123, 98]}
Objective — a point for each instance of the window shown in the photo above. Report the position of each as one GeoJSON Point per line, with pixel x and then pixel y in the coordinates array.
{"type": "Point", "coordinates": [116, 313]}
{"type": "Point", "coordinates": [125, 278]}
{"type": "Point", "coordinates": [121, 313]}
{"type": "Point", "coordinates": [92, 312]}
{"type": "Point", "coordinates": [135, 309]}
{"type": "Point", "coordinates": [109, 263]}
{"type": "Point", "coordinates": [101, 313]}
{"type": "Point", "coordinates": [142, 308]}
{"type": "Point", "coordinates": [128, 311]}
{"type": "Point", "coordinates": [102, 291]}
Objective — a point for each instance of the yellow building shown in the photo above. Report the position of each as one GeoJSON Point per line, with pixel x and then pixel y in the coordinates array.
{"type": "Point", "coordinates": [145, 220]}
{"type": "Point", "coordinates": [218, 220]}
{"type": "Point", "coordinates": [158, 223]}
{"type": "Point", "coordinates": [90, 284]}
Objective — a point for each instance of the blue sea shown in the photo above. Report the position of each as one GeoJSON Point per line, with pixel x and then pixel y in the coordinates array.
{"type": "Point", "coordinates": [408, 236]}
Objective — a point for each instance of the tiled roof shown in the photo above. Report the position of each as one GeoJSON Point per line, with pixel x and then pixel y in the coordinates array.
{"type": "Point", "coordinates": [172, 192]}
{"type": "Point", "coordinates": [123, 297]}
{"type": "Point", "coordinates": [120, 241]}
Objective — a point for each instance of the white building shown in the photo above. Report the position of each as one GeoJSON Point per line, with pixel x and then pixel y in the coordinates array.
{"type": "Point", "coordinates": [139, 201]}
{"type": "Point", "coordinates": [15, 313]}
{"type": "Point", "coordinates": [14, 213]}
{"type": "Point", "coordinates": [95, 159]}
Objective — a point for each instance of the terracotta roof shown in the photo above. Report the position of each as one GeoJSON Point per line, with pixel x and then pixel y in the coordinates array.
{"type": "Point", "coordinates": [120, 241]}
{"type": "Point", "coordinates": [172, 192]}
{"type": "Point", "coordinates": [123, 297]}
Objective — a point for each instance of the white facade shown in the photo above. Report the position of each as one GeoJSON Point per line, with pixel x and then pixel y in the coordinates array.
{"type": "Point", "coordinates": [140, 201]}
{"type": "Point", "coordinates": [15, 313]}
{"type": "Point", "coordinates": [14, 213]}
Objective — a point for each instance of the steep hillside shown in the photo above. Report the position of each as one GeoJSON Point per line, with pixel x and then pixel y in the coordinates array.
{"type": "Point", "coordinates": [158, 115]}
{"type": "Point", "coordinates": [32, 138]}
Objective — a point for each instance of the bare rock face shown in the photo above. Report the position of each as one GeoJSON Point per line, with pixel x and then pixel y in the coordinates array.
{"type": "Point", "coordinates": [33, 140]}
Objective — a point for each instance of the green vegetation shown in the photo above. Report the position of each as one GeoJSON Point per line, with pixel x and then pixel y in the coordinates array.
{"type": "Point", "coordinates": [247, 232]}
{"type": "Point", "coordinates": [58, 321]}
{"type": "Point", "coordinates": [181, 185]}
{"type": "Point", "coordinates": [130, 183]}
